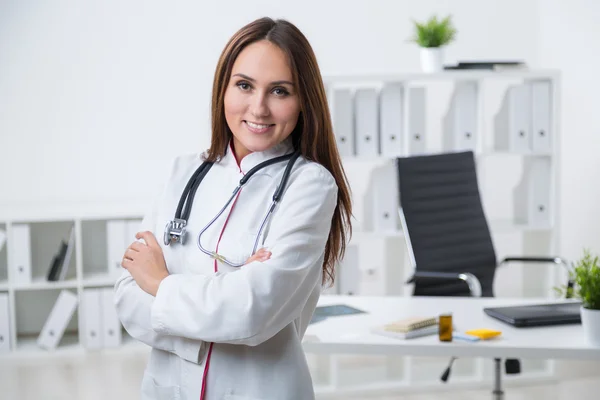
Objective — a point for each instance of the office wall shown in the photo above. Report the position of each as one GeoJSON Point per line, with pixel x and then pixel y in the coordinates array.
{"type": "Point", "coordinates": [97, 97]}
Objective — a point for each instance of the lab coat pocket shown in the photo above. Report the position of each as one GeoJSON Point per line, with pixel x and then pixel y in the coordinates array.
{"type": "Point", "coordinates": [151, 390]}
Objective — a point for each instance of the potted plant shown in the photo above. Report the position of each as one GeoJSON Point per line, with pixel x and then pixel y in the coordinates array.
{"type": "Point", "coordinates": [585, 278]}
{"type": "Point", "coordinates": [432, 36]}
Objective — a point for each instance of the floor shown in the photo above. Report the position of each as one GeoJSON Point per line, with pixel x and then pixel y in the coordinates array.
{"type": "Point", "coordinates": [113, 375]}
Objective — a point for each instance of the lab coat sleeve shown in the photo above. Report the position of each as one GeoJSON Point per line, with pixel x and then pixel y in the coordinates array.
{"type": "Point", "coordinates": [252, 304]}
{"type": "Point", "coordinates": [134, 306]}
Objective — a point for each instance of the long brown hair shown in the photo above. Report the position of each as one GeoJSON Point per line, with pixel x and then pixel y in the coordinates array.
{"type": "Point", "coordinates": [313, 134]}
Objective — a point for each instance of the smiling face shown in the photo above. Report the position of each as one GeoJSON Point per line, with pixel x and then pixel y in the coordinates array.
{"type": "Point", "coordinates": [261, 102]}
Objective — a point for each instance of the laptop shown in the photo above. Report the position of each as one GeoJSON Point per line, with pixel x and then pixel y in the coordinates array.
{"type": "Point", "coordinates": [537, 314]}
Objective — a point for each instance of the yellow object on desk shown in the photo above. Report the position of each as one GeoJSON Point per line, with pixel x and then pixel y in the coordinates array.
{"type": "Point", "coordinates": [484, 333]}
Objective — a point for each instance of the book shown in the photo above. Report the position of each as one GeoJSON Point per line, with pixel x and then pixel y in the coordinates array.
{"type": "Point", "coordinates": [411, 324]}
{"type": "Point", "coordinates": [487, 65]}
{"type": "Point", "coordinates": [2, 238]}
{"type": "Point", "coordinates": [415, 333]}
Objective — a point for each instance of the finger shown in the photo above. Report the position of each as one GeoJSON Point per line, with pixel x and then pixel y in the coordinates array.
{"type": "Point", "coordinates": [130, 254]}
{"type": "Point", "coordinates": [126, 263]}
{"type": "Point", "coordinates": [137, 246]}
{"type": "Point", "coordinates": [148, 237]}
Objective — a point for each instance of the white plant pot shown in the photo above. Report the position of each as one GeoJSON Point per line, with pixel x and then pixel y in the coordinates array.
{"type": "Point", "coordinates": [590, 320]}
{"type": "Point", "coordinates": [432, 59]}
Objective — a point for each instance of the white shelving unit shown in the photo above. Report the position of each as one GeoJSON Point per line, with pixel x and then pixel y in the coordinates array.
{"type": "Point", "coordinates": [428, 120]}
{"type": "Point", "coordinates": [30, 302]}
{"type": "Point", "coordinates": [463, 110]}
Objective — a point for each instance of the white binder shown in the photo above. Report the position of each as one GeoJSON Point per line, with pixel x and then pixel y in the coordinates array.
{"type": "Point", "coordinates": [512, 124]}
{"type": "Point", "coordinates": [116, 237]}
{"type": "Point", "coordinates": [57, 321]}
{"type": "Point", "coordinates": [532, 194]}
{"type": "Point", "coordinates": [349, 272]}
{"type": "Point", "coordinates": [110, 321]}
{"type": "Point", "coordinates": [541, 109]}
{"type": "Point", "coordinates": [342, 115]}
{"type": "Point", "coordinates": [4, 324]}
{"type": "Point", "coordinates": [385, 199]}
{"type": "Point", "coordinates": [367, 122]}
{"type": "Point", "coordinates": [415, 120]}
{"type": "Point", "coordinates": [460, 123]}
{"type": "Point", "coordinates": [20, 265]}
{"type": "Point", "coordinates": [90, 319]}
{"type": "Point", "coordinates": [391, 119]}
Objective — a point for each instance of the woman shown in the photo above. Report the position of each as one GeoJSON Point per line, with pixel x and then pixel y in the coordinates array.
{"type": "Point", "coordinates": [228, 332]}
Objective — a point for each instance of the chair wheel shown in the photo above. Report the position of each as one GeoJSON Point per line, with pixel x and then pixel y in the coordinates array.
{"type": "Point", "coordinates": [512, 366]}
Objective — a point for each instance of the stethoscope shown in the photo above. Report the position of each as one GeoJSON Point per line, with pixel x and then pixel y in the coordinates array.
{"type": "Point", "coordinates": [175, 230]}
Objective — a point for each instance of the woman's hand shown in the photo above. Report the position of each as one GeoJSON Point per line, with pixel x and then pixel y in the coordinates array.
{"type": "Point", "coordinates": [261, 255]}
{"type": "Point", "coordinates": [146, 262]}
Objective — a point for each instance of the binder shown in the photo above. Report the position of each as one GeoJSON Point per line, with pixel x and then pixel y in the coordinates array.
{"type": "Point", "coordinates": [4, 323]}
{"type": "Point", "coordinates": [342, 115]}
{"type": "Point", "coordinates": [349, 272]}
{"type": "Point", "coordinates": [116, 237]}
{"type": "Point", "coordinates": [532, 194]}
{"type": "Point", "coordinates": [415, 121]}
{"type": "Point", "coordinates": [367, 122]}
{"type": "Point", "coordinates": [68, 253]}
{"type": "Point", "coordinates": [90, 319]}
{"type": "Point", "coordinates": [512, 124]}
{"type": "Point", "coordinates": [111, 325]}
{"type": "Point", "coordinates": [385, 201]}
{"type": "Point", "coordinates": [391, 119]}
{"type": "Point", "coordinates": [541, 109]}
{"type": "Point", "coordinates": [57, 321]}
{"type": "Point", "coordinates": [460, 123]}
{"type": "Point", "coordinates": [20, 265]}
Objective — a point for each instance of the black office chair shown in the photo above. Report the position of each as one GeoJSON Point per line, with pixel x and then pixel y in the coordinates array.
{"type": "Point", "coordinates": [447, 234]}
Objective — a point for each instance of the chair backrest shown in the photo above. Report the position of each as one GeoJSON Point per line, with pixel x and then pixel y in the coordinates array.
{"type": "Point", "coordinates": [444, 222]}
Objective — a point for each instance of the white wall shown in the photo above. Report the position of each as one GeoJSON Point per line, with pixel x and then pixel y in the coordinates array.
{"type": "Point", "coordinates": [96, 97]}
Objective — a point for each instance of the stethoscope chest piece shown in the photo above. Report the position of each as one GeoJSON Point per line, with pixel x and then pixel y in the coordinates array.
{"type": "Point", "coordinates": [175, 231]}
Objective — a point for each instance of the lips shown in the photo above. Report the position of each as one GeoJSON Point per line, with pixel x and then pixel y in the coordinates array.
{"type": "Point", "coordinates": [258, 128]}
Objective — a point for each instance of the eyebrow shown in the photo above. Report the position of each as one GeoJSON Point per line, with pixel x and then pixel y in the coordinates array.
{"type": "Point", "coordinates": [272, 83]}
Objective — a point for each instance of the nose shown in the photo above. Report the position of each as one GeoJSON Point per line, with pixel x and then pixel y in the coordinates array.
{"type": "Point", "coordinates": [259, 107]}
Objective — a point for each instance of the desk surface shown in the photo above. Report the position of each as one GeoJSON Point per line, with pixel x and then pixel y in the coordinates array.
{"type": "Point", "coordinates": [351, 334]}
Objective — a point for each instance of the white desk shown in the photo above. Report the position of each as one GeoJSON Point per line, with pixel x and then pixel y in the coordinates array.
{"type": "Point", "coordinates": [351, 334]}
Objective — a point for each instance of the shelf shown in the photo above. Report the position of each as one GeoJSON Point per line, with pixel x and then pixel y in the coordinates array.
{"type": "Point", "coordinates": [499, 226]}
{"type": "Point", "coordinates": [450, 75]}
{"type": "Point", "coordinates": [98, 279]}
{"type": "Point", "coordinates": [68, 345]}
{"type": "Point", "coordinates": [41, 283]}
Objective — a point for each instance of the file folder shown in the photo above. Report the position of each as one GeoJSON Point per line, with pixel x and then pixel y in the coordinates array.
{"type": "Point", "coordinates": [541, 109]}
{"type": "Point", "coordinates": [461, 119]}
{"type": "Point", "coordinates": [415, 121]}
{"type": "Point", "coordinates": [90, 319]}
{"type": "Point", "coordinates": [116, 237]}
{"type": "Point", "coordinates": [532, 194]}
{"type": "Point", "coordinates": [111, 324]}
{"type": "Point", "coordinates": [57, 321]}
{"type": "Point", "coordinates": [2, 239]}
{"type": "Point", "coordinates": [512, 124]}
{"type": "Point", "coordinates": [367, 122]}
{"type": "Point", "coordinates": [385, 200]}
{"type": "Point", "coordinates": [20, 265]}
{"type": "Point", "coordinates": [342, 115]}
{"type": "Point", "coordinates": [391, 119]}
{"type": "Point", "coordinates": [349, 272]}
{"type": "Point", "coordinates": [4, 323]}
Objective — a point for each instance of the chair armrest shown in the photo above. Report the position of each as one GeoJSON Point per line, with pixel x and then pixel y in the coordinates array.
{"type": "Point", "coordinates": [554, 260]}
{"type": "Point", "coordinates": [470, 279]}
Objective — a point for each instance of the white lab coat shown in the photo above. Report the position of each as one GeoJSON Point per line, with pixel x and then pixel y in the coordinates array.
{"type": "Point", "coordinates": [255, 315]}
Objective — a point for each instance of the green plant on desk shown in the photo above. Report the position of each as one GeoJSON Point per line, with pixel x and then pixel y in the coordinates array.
{"type": "Point", "coordinates": [585, 276]}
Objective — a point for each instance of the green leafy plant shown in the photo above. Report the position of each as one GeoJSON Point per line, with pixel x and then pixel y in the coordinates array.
{"type": "Point", "coordinates": [434, 32]}
{"type": "Point", "coordinates": [585, 276]}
